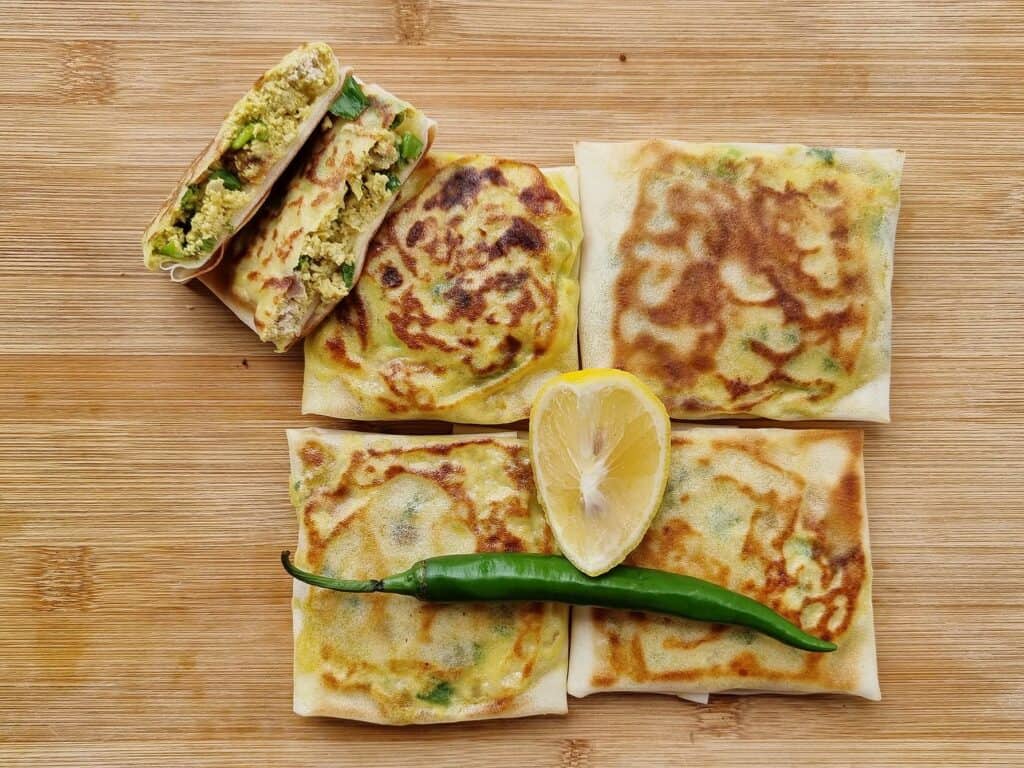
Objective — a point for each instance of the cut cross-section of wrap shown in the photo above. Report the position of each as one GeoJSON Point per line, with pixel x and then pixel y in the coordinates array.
{"type": "Point", "coordinates": [229, 180]}
{"type": "Point", "coordinates": [305, 249]}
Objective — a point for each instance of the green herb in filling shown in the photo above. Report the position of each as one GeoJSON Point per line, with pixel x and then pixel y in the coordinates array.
{"type": "Point", "coordinates": [190, 200]}
{"type": "Point", "coordinates": [231, 181]}
{"type": "Point", "coordinates": [410, 147]}
{"type": "Point", "coordinates": [439, 694]}
{"type": "Point", "coordinates": [830, 365]}
{"type": "Point", "coordinates": [304, 262]}
{"type": "Point", "coordinates": [348, 273]}
{"type": "Point", "coordinates": [827, 156]}
{"type": "Point", "coordinates": [352, 101]}
{"type": "Point", "coordinates": [398, 120]}
{"type": "Point", "coordinates": [393, 183]}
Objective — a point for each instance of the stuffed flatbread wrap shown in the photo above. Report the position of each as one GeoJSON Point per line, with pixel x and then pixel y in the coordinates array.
{"type": "Point", "coordinates": [741, 279]}
{"type": "Point", "coordinates": [467, 303]}
{"type": "Point", "coordinates": [369, 505]}
{"type": "Point", "coordinates": [304, 250]}
{"type": "Point", "coordinates": [778, 515]}
{"type": "Point", "coordinates": [227, 182]}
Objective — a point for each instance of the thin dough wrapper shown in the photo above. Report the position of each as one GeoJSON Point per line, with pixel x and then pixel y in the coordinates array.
{"type": "Point", "coordinates": [370, 505]}
{"type": "Point", "coordinates": [778, 515]}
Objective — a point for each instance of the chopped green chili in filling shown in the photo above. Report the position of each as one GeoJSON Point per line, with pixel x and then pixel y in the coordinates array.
{"type": "Point", "coordinates": [247, 133]}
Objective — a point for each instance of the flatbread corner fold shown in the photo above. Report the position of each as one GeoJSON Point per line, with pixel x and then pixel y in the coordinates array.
{"type": "Point", "coordinates": [370, 505]}
{"type": "Point", "coordinates": [228, 181]}
{"type": "Point", "coordinates": [305, 249]}
{"type": "Point", "coordinates": [468, 301]}
{"type": "Point", "coordinates": [776, 514]}
{"type": "Point", "coordinates": [741, 279]}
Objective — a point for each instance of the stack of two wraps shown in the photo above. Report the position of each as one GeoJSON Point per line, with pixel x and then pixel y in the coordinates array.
{"type": "Point", "coordinates": [736, 280]}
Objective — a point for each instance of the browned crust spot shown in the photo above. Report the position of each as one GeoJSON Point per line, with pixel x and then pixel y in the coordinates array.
{"type": "Point", "coordinates": [755, 230]}
{"type": "Point", "coordinates": [835, 542]}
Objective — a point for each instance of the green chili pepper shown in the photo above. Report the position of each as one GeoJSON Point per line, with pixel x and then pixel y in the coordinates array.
{"type": "Point", "coordinates": [409, 147]}
{"type": "Point", "coordinates": [351, 102]}
{"type": "Point", "coordinates": [518, 576]}
{"type": "Point", "coordinates": [231, 181]}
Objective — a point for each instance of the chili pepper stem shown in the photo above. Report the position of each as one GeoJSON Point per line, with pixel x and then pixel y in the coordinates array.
{"type": "Point", "coordinates": [325, 582]}
{"type": "Point", "coordinates": [405, 583]}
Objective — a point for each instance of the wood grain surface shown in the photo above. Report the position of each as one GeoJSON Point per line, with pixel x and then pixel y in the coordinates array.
{"type": "Point", "coordinates": [144, 618]}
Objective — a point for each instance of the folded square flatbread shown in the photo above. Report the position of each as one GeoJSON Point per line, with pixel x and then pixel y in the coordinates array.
{"type": "Point", "coordinates": [467, 303]}
{"type": "Point", "coordinates": [371, 505]}
{"type": "Point", "coordinates": [778, 515]}
{"type": "Point", "coordinates": [741, 279]}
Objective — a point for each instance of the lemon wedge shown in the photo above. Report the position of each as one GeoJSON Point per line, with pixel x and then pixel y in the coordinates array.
{"type": "Point", "coordinates": [599, 445]}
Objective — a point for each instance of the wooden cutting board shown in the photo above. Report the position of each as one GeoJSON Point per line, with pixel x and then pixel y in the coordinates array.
{"type": "Point", "coordinates": [143, 615]}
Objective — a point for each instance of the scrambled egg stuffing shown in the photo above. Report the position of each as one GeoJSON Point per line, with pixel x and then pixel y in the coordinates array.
{"type": "Point", "coordinates": [327, 263]}
{"type": "Point", "coordinates": [256, 134]}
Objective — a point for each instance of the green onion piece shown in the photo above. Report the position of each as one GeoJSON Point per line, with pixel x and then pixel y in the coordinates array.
{"type": "Point", "coordinates": [348, 274]}
{"type": "Point", "coordinates": [352, 101]}
{"type": "Point", "coordinates": [439, 694]}
{"type": "Point", "coordinates": [302, 263]}
{"type": "Point", "coordinates": [231, 181]}
{"type": "Point", "coordinates": [207, 243]}
{"type": "Point", "coordinates": [410, 147]}
{"type": "Point", "coordinates": [190, 198]}
{"type": "Point", "coordinates": [827, 156]}
{"type": "Point", "coordinates": [398, 120]}
{"type": "Point", "coordinates": [393, 183]}
{"type": "Point", "coordinates": [244, 136]}
{"type": "Point", "coordinates": [169, 249]}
